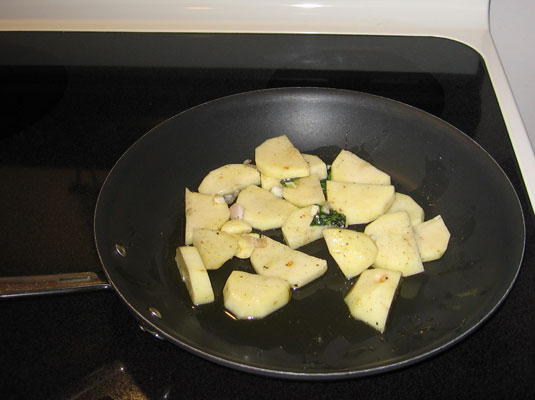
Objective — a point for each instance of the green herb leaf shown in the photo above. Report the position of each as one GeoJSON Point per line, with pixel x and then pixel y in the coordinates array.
{"type": "Point", "coordinates": [333, 218]}
{"type": "Point", "coordinates": [284, 182]}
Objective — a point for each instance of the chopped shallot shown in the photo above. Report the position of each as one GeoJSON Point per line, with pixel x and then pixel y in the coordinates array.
{"type": "Point", "coordinates": [277, 191]}
{"type": "Point", "coordinates": [236, 211]}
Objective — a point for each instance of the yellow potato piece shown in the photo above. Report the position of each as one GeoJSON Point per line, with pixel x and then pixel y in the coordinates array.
{"type": "Point", "coordinates": [214, 247]}
{"type": "Point", "coordinates": [432, 238]}
{"type": "Point", "coordinates": [229, 179]}
{"type": "Point", "coordinates": [204, 211]}
{"type": "Point", "coordinates": [371, 297]}
{"type": "Point", "coordinates": [353, 251]}
{"type": "Point", "coordinates": [194, 275]}
{"type": "Point", "coordinates": [251, 296]}
{"type": "Point", "coordinates": [316, 165]}
{"type": "Point", "coordinates": [297, 231]}
{"type": "Point", "coordinates": [305, 191]}
{"type": "Point", "coordinates": [278, 158]}
{"type": "Point", "coordinates": [348, 167]}
{"type": "Point", "coordinates": [403, 202]}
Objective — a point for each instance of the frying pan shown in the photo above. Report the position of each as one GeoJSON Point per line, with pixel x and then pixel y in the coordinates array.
{"type": "Point", "coordinates": [139, 222]}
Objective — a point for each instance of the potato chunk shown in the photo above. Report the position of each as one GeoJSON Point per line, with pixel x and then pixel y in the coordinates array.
{"type": "Point", "coordinates": [204, 211]}
{"type": "Point", "coordinates": [236, 226]}
{"type": "Point", "coordinates": [194, 275]}
{"type": "Point", "coordinates": [229, 179]}
{"type": "Point", "coordinates": [348, 167]}
{"type": "Point", "coordinates": [396, 243]}
{"type": "Point", "coordinates": [371, 297]}
{"type": "Point", "coordinates": [432, 238]}
{"type": "Point", "coordinates": [316, 165]}
{"type": "Point", "coordinates": [279, 261]}
{"type": "Point", "coordinates": [297, 230]}
{"type": "Point", "coordinates": [247, 242]}
{"type": "Point", "coordinates": [262, 209]}
{"type": "Point", "coordinates": [304, 192]}
{"type": "Point", "coordinates": [251, 296]}
{"type": "Point", "coordinates": [403, 202]}
{"type": "Point", "coordinates": [278, 158]}
{"type": "Point", "coordinates": [359, 202]}
{"type": "Point", "coordinates": [214, 247]}
{"type": "Point", "coordinates": [353, 251]}
{"type": "Point", "coordinates": [267, 182]}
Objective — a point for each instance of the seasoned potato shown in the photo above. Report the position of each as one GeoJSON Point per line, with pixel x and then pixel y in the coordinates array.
{"type": "Point", "coordinates": [353, 251]}
{"type": "Point", "coordinates": [278, 260]}
{"type": "Point", "coordinates": [359, 202]}
{"type": "Point", "coordinates": [396, 243]}
{"type": "Point", "coordinates": [194, 275]}
{"type": "Point", "coordinates": [204, 211]}
{"type": "Point", "coordinates": [305, 191]}
{"type": "Point", "coordinates": [297, 230]}
{"type": "Point", "coordinates": [262, 209]}
{"type": "Point", "coordinates": [277, 157]}
{"type": "Point", "coordinates": [371, 297]}
{"type": "Point", "coordinates": [316, 165]}
{"type": "Point", "coordinates": [236, 226]}
{"type": "Point", "coordinates": [251, 296]}
{"type": "Point", "coordinates": [403, 202]}
{"type": "Point", "coordinates": [267, 182]}
{"type": "Point", "coordinates": [432, 238]}
{"type": "Point", "coordinates": [348, 167]}
{"type": "Point", "coordinates": [229, 179]}
{"type": "Point", "coordinates": [215, 247]}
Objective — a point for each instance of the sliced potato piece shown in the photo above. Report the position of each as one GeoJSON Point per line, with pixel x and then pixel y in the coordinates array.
{"type": "Point", "coordinates": [279, 261]}
{"type": "Point", "coordinates": [194, 275]}
{"type": "Point", "coordinates": [297, 230]}
{"type": "Point", "coordinates": [277, 157]}
{"type": "Point", "coordinates": [316, 165]}
{"type": "Point", "coordinates": [262, 209]}
{"type": "Point", "coordinates": [251, 296]}
{"type": "Point", "coordinates": [305, 191]}
{"type": "Point", "coordinates": [396, 243]}
{"type": "Point", "coordinates": [432, 238]}
{"type": "Point", "coordinates": [238, 226]}
{"type": "Point", "coordinates": [214, 247]}
{"type": "Point", "coordinates": [247, 242]}
{"type": "Point", "coordinates": [371, 297]}
{"type": "Point", "coordinates": [348, 167]}
{"type": "Point", "coordinates": [204, 211]}
{"type": "Point", "coordinates": [359, 202]}
{"type": "Point", "coordinates": [353, 251]}
{"type": "Point", "coordinates": [403, 202]}
{"type": "Point", "coordinates": [229, 179]}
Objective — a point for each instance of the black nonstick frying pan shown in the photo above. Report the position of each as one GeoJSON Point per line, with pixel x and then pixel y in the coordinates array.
{"type": "Point", "coordinates": [139, 222]}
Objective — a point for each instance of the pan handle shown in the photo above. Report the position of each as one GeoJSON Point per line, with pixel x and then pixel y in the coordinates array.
{"type": "Point", "coordinates": [19, 286]}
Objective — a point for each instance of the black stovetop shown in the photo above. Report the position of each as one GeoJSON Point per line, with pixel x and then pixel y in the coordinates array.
{"type": "Point", "coordinates": [74, 102]}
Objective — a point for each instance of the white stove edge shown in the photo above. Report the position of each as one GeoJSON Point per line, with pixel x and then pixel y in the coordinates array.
{"type": "Point", "coordinates": [466, 21]}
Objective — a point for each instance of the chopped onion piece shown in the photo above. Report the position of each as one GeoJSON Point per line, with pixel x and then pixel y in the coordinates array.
{"type": "Point", "coordinates": [236, 211]}
{"type": "Point", "coordinates": [277, 190]}
{"type": "Point", "coordinates": [326, 208]}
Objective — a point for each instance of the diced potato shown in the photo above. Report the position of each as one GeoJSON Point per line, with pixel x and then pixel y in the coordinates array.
{"type": "Point", "coordinates": [403, 202]}
{"type": "Point", "coordinates": [359, 202]}
{"type": "Point", "coordinates": [305, 191]}
{"type": "Point", "coordinates": [348, 167]}
{"type": "Point", "coordinates": [297, 230]}
{"type": "Point", "coordinates": [229, 179]}
{"type": "Point", "coordinates": [267, 182]}
{"type": "Point", "coordinates": [432, 238]}
{"type": "Point", "coordinates": [251, 296]}
{"type": "Point", "coordinates": [204, 211]}
{"type": "Point", "coordinates": [247, 242]}
{"type": "Point", "coordinates": [396, 243]}
{"type": "Point", "coordinates": [214, 247]}
{"type": "Point", "coordinates": [353, 251]}
{"type": "Point", "coordinates": [262, 209]}
{"type": "Point", "coordinates": [194, 275]}
{"type": "Point", "coordinates": [316, 165]}
{"type": "Point", "coordinates": [371, 297]}
{"type": "Point", "coordinates": [236, 226]}
{"type": "Point", "coordinates": [277, 157]}
{"type": "Point", "coordinates": [279, 261]}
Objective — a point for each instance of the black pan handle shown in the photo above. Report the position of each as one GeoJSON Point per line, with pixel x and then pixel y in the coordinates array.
{"type": "Point", "coordinates": [18, 286]}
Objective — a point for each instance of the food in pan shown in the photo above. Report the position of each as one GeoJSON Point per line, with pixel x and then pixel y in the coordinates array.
{"type": "Point", "coordinates": [297, 193]}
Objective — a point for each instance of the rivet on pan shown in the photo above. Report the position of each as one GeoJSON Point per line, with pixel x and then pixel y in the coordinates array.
{"type": "Point", "coordinates": [121, 250]}
{"type": "Point", "coordinates": [155, 313]}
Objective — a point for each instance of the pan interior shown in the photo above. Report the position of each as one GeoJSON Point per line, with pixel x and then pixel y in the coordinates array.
{"type": "Point", "coordinates": [141, 207]}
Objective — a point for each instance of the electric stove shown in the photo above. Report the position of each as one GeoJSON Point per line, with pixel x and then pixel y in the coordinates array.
{"type": "Point", "coordinates": [75, 97]}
